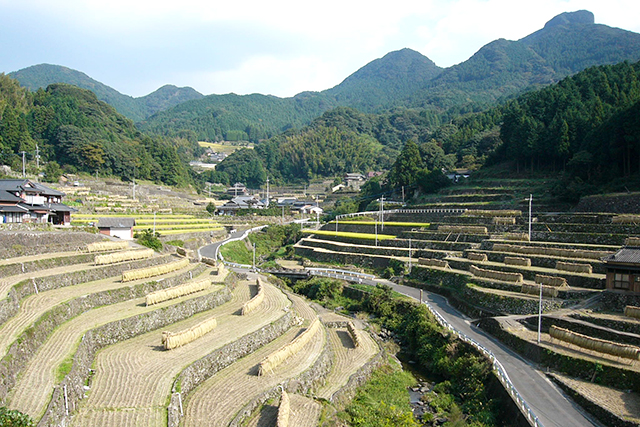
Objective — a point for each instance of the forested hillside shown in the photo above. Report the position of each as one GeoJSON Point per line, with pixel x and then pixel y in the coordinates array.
{"type": "Point", "coordinates": [136, 109]}
{"type": "Point", "coordinates": [72, 128]}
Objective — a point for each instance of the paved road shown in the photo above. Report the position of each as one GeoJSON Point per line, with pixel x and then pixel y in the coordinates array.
{"type": "Point", "coordinates": [209, 251]}
{"type": "Point", "coordinates": [549, 403]}
{"type": "Point", "coordinates": [552, 407]}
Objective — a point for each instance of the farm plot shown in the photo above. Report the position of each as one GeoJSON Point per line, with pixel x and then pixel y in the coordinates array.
{"type": "Point", "coordinates": [218, 399]}
{"type": "Point", "coordinates": [146, 371]}
{"type": "Point", "coordinates": [347, 358]}
{"type": "Point", "coordinates": [33, 306]}
{"type": "Point", "coordinates": [33, 390]}
{"type": "Point", "coordinates": [304, 412]}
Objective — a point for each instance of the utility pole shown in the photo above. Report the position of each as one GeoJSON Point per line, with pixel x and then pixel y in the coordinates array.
{"type": "Point", "coordinates": [540, 313]}
{"type": "Point", "coordinates": [254, 257]}
{"type": "Point", "coordinates": [24, 173]}
{"type": "Point", "coordinates": [267, 192]}
{"type": "Point", "coordinates": [530, 200]}
{"type": "Point", "coordinates": [382, 213]}
{"type": "Point", "coordinates": [403, 195]}
{"type": "Point", "coordinates": [376, 225]}
{"type": "Point", "coordinates": [37, 158]}
{"type": "Point", "coordinates": [409, 255]}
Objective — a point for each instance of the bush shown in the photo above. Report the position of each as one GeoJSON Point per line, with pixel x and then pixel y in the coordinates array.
{"type": "Point", "coordinates": [149, 239]}
{"type": "Point", "coordinates": [12, 418]}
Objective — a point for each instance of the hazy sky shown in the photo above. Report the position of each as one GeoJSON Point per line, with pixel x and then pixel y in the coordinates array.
{"type": "Point", "coordinates": [278, 47]}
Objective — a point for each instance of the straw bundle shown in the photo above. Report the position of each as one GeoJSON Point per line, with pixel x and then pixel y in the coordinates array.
{"type": "Point", "coordinates": [172, 340]}
{"type": "Point", "coordinates": [632, 241]}
{"type": "Point", "coordinates": [521, 237]}
{"type": "Point", "coordinates": [492, 213]}
{"type": "Point", "coordinates": [504, 220]}
{"type": "Point", "coordinates": [496, 275]}
{"type": "Point", "coordinates": [183, 252]}
{"type": "Point", "coordinates": [123, 256]}
{"type": "Point", "coordinates": [254, 302]}
{"type": "Point", "coordinates": [547, 291]}
{"type": "Point", "coordinates": [177, 291]}
{"type": "Point", "coordinates": [432, 262]}
{"type": "Point", "coordinates": [143, 273]}
{"type": "Point", "coordinates": [284, 410]}
{"type": "Point", "coordinates": [626, 219]}
{"type": "Point", "coordinates": [514, 260]}
{"type": "Point", "coordinates": [208, 261]}
{"type": "Point", "coordinates": [474, 256]}
{"type": "Point", "coordinates": [631, 311]}
{"type": "Point", "coordinates": [595, 344]}
{"type": "Point", "coordinates": [275, 359]}
{"type": "Point", "coordinates": [106, 246]}
{"type": "Point", "coordinates": [465, 229]}
{"type": "Point", "coordinates": [538, 250]}
{"type": "Point", "coordinates": [353, 332]}
{"type": "Point", "coordinates": [559, 282]}
{"type": "Point", "coordinates": [576, 268]}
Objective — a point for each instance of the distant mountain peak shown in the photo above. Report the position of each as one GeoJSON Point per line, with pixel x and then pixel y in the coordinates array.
{"type": "Point", "coordinates": [568, 18]}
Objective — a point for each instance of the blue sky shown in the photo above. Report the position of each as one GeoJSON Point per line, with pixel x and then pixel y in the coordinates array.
{"type": "Point", "coordinates": [280, 47]}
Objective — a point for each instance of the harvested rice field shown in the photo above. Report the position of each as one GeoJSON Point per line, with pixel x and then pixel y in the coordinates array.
{"type": "Point", "coordinates": [218, 399]}
{"type": "Point", "coordinates": [143, 368]}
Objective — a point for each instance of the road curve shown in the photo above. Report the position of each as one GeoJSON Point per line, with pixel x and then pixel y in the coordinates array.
{"type": "Point", "coordinates": [552, 407]}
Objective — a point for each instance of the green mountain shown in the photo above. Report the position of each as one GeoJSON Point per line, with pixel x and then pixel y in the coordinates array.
{"type": "Point", "coordinates": [502, 69]}
{"type": "Point", "coordinates": [379, 84]}
{"type": "Point", "coordinates": [70, 127]}
{"type": "Point", "coordinates": [567, 44]}
{"type": "Point", "coordinates": [136, 109]}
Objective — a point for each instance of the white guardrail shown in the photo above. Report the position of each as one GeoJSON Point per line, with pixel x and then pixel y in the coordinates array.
{"type": "Point", "coordinates": [351, 276]}
{"type": "Point", "coordinates": [392, 211]}
{"type": "Point", "coordinates": [497, 366]}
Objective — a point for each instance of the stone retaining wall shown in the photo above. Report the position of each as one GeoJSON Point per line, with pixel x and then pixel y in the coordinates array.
{"type": "Point", "coordinates": [545, 261]}
{"type": "Point", "coordinates": [618, 203]}
{"type": "Point", "coordinates": [10, 306]}
{"type": "Point", "coordinates": [584, 328]}
{"type": "Point", "coordinates": [630, 326]}
{"type": "Point", "coordinates": [44, 264]}
{"type": "Point", "coordinates": [16, 243]}
{"type": "Point", "coordinates": [25, 346]}
{"type": "Point", "coordinates": [600, 373]}
{"type": "Point", "coordinates": [361, 260]}
{"type": "Point", "coordinates": [507, 304]}
{"type": "Point", "coordinates": [203, 369]}
{"type": "Point", "coordinates": [112, 333]}
{"type": "Point", "coordinates": [301, 384]}
{"type": "Point", "coordinates": [618, 300]}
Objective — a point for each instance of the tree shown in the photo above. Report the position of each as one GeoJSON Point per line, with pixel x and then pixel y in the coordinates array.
{"type": "Point", "coordinates": [149, 239]}
{"type": "Point", "coordinates": [52, 171]}
{"type": "Point", "coordinates": [211, 208]}
{"type": "Point", "coordinates": [406, 166]}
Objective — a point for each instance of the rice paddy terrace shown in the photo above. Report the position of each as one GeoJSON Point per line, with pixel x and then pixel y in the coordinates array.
{"type": "Point", "coordinates": [94, 332]}
{"type": "Point", "coordinates": [485, 261]}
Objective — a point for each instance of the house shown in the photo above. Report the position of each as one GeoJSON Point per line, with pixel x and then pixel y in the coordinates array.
{"type": "Point", "coordinates": [238, 189]}
{"type": "Point", "coordinates": [354, 180]}
{"type": "Point", "coordinates": [286, 201]}
{"type": "Point", "coordinates": [623, 268]}
{"type": "Point", "coordinates": [241, 202]}
{"type": "Point", "coordinates": [23, 200]}
{"type": "Point", "coordinates": [121, 228]}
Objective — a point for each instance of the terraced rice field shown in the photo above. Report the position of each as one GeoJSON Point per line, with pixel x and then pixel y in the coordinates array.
{"type": "Point", "coordinates": [165, 224]}
{"type": "Point", "coordinates": [131, 381]}
{"type": "Point", "coordinates": [142, 368]}
{"type": "Point", "coordinates": [33, 390]}
{"type": "Point", "coordinates": [33, 306]}
{"type": "Point", "coordinates": [218, 399]}
{"type": "Point", "coordinates": [347, 358]}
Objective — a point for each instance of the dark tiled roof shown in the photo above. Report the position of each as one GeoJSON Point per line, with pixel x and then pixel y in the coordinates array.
{"type": "Point", "coordinates": [13, 208]}
{"type": "Point", "coordinates": [626, 255]}
{"type": "Point", "coordinates": [116, 222]}
{"type": "Point", "coordinates": [15, 185]}
{"type": "Point", "coordinates": [60, 207]}
{"type": "Point", "coordinates": [6, 196]}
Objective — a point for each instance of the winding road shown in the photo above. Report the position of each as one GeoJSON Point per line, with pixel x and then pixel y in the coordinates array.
{"type": "Point", "coordinates": [552, 407]}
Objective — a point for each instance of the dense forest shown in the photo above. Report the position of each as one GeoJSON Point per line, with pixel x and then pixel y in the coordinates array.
{"type": "Point", "coordinates": [71, 129]}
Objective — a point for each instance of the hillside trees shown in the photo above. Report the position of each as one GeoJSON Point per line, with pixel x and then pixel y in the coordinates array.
{"type": "Point", "coordinates": [80, 133]}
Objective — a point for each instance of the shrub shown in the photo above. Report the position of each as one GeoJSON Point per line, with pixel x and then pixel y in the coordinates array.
{"type": "Point", "coordinates": [149, 239]}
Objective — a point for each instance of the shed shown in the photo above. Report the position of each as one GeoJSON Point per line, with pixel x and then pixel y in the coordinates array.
{"type": "Point", "coordinates": [623, 269]}
{"type": "Point", "coordinates": [121, 228]}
